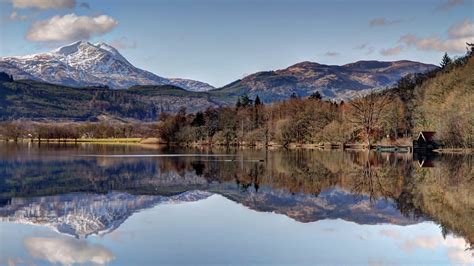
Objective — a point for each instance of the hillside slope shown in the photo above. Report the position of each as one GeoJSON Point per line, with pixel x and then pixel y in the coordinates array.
{"type": "Point", "coordinates": [445, 104]}
{"type": "Point", "coordinates": [28, 99]}
{"type": "Point", "coordinates": [332, 81]}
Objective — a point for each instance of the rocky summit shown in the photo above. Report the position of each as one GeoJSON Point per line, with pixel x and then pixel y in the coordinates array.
{"type": "Point", "coordinates": [83, 64]}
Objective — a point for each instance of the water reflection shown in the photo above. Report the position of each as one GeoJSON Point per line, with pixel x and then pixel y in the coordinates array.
{"type": "Point", "coordinates": [56, 186]}
{"type": "Point", "coordinates": [67, 251]}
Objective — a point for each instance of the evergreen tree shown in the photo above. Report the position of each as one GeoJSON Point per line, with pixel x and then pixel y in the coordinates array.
{"type": "Point", "coordinates": [198, 120]}
{"type": "Point", "coordinates": [316, 96]}
{"type": "Point", "coordinates": [257, 101]}
{"type": "Point", "coordinates": [445, 61]}
{"type": "Point", "coordinates": [245, 100]}
{"type": "Point", "coordinates": [238, 104]}
{"type": "Point", "coordinates": [5, 77]}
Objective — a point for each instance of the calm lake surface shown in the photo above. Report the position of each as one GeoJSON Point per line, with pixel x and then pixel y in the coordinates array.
{"type": "Point", "coordinates": [143, 205]}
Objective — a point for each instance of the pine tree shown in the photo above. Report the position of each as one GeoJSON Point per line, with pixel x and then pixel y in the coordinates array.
{"type": "Point", "coordinates": [445, 61]}
{"type": "Point", "coordinates": [315, 96]}
{"type": "Point", "coordinates": [245, 100]}
{"type": "Point", "coordinates": [257, 101]}
{"type": "Point", "coordinates": [238, 104]}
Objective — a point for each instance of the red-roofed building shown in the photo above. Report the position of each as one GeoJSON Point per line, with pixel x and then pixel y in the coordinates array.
{"type": "Point", "coordinates": [425, 141]}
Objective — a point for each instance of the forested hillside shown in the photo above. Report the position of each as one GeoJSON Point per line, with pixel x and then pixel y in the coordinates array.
{"type": "Point", "coordinates": [445, 104]}
{"type": "Point", "coordinates": [26, 99]}
{"type": "Point", "coordinates": [441, 101]}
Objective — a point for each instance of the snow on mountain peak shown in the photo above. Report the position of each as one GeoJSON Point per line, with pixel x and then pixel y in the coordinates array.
{"type": "Point", "coordinates": [112, 50]}
{"type": "Point", "coordinates": [84, 64]}
{"type": "Point", "coordinates": [70, 48]}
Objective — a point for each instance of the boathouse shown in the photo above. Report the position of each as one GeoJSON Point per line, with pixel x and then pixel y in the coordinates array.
{"type": "Point", "coordinates": [425, 141]}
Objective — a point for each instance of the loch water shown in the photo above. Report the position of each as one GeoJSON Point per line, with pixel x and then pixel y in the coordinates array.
{"type": "Point", "coordinates": [93, 204]}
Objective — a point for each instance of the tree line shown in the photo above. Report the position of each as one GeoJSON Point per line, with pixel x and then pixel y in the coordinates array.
{"type": "Point", "coordinates": [16, 130]}
{"type": "Point", "coordinates": [393, 116]}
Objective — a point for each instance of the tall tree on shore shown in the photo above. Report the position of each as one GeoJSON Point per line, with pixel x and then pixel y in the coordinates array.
{"type": "Point", "coordinates": [238, 104]}
{"type": "Point", "coordinates": [257, 101]}
{"type": "Point", "coordinates": [446, 61]}
{"type": "Point", "coordinates": [257, 112]}
{"type": "Point", "coordinates": [365, 112]}
{"type": "Point", "coordinates": [245, 100]}
{"type": "Point", "coordinates": [316, 96]}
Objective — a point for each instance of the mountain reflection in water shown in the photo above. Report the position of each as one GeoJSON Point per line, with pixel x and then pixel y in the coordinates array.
{"type": "Point", "coordinates": [56, 186]}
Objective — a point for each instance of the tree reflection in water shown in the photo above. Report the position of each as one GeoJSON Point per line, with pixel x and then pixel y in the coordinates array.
{"type": "Point", "coordinates": [292, 182]}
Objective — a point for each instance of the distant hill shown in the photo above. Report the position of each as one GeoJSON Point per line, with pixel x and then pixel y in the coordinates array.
{"type": "Point", "coordinates": [332, 81]}
{"type": "Point", "coordinates": [38, 100]}
{"type": "Point", "coordinates": [84, 64]}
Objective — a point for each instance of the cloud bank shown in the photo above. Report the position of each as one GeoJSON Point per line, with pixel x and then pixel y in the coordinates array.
{"type": "Point", "coordinates": [391, 51]}
{"type": "Point", "coordinates": [15, 16]}
{"type": "Point", "coordinates": [449, 4]}
{"type": "Point", "coordinates": [331, 53]}
{"type": "Point", "coordinates": [458, 35]}
{"type": "Point", "coordinates": [70, 27]}
{"type": "Point", "coordinates": [44, 4]}
{"type": "Point", "coordinates": [123, 43]}
{"type": "Point", "coordinates": [67, 251]}
{"type": "Point", "coordinates": [383, 22]}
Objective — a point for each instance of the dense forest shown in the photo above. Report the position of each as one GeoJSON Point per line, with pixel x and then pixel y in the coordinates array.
{"type": "Point", "coordinates": [439, 100]}
{"type": "Point", "coordinates": [33, 100]}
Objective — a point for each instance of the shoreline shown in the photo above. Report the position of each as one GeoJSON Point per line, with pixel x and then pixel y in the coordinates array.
{"type": "Point", "coordinates": [93, 140]}
{"type": "Point", "coordinates": [272, 145]}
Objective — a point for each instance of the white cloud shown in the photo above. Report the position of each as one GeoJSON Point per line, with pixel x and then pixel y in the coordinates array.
{"type": "Point", "coordinates": [15, 16]}
{"type": "Point", "coordinates": [449, 4]}
{"type": "Point", "coordinates": [332, 54]}
{"type": "Point", "coordinates": [456, 247]}
{"type": "Point", "coordinates": [462, 29]}
{"type": "Point", "coordinates": [70, 27]}
{"type": "Point", "coordinates": [44, 4]}
{"type": "Point", "coordinates": [361, 46]}
{"type": "Point", "coordinates": [391, 51]}
{"type": "Point", "coordinates": [458, 35]}
{"type": "Point", "coordinates": [67, 251]}
{"type": "Point", "coordinates": [435, 43]}
{"type": "Point", "coordinates": [365, 46]}
{"type": "Point", "coordinates": [390, 234]}
{"type": "Point", "coordinates": [123, 43]}
{"type": "Point", "coordinates": [383, 22]}
{"type": "Point", "coordinates": [85, 5]}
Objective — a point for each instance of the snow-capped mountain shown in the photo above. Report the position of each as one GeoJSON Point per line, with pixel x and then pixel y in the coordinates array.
{"type": "Point", "coordinates": [84, 64]}
{"type": "Point", "coordinates": [81, 215]}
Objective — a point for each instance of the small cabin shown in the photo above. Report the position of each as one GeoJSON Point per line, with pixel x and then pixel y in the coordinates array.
{"type": "Point", "coordinates": [425, 141]}
{"type": "Point", "coordinates": [425, 163]}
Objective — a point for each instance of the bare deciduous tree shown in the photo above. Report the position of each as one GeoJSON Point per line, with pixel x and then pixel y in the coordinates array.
{"type": "Point", "coordinates": [366, 111]}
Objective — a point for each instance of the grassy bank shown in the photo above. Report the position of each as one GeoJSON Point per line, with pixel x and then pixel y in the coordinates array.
{"type": "Point", "coordinates": [84, 140]}
{"type": "Point", "coordinates": [455, 151]}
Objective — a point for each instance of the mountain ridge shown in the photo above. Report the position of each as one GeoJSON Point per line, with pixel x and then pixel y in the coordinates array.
{"type": "Point", "coordinates": [332, 81]}
{"type": "Point", "coordinates": [82, 64]}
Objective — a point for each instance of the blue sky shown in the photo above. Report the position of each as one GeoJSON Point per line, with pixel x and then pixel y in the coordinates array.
{"type": "Point", "coordinates": [218, 41]}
